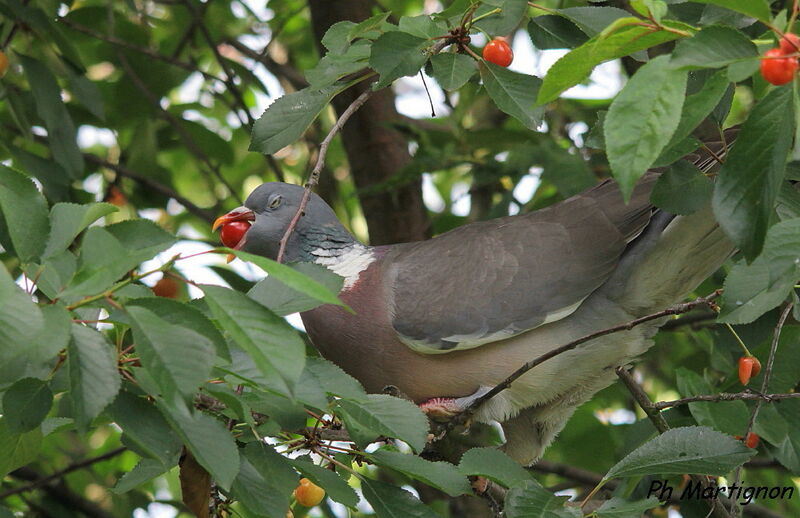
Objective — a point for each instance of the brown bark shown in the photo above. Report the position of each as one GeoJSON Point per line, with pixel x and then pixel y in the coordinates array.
{"type": "Point", "coordinates": [375, 151]}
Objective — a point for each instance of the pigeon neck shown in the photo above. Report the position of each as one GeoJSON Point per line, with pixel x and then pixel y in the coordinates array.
{"type": "Point", "coordinates": [336, 249]}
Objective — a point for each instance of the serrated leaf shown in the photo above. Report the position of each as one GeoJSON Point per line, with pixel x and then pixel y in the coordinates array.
{"type": "Point", "coordinates": [713, 47]}
{"type": "Point", "coordinates": [144, 471]}
{"type": "Point", "coordinates": [396, 54]}
{"type": "Point", "coordinates": [51, 109]}
{"type": "Point", "coordinates": [333, 379]}
{"type": "Point", "coordinates": [145, 430]}
{"type": "Point", "coordinates": [18, 449]}
{"type": "Point", "coordinates": [386, 415]}
{"type": "Point", "coordinates": [531, 500]}
{"type": "Point", "coordinates": [20, 318]}
{"type": "Point", "coordinates": [693, 449]}
{"type": "Point", "coordinates": [291, 277]}
{"type": "Point", "coordinates": [265, 481]}
{"type": "Point", "coordinates": [575, 66]}
{"type": "Point", "coordinates": [513, 93]}
{"type": "Point", "coordinates": [288, 118]}
{"type": "Point", "coordinates": [94, 381]}
{"type": "Point", "coordinates": [422, 26]}
{"type": "Point", "coordinates": [25, 404]}
{"type": "Point", "coordinates": [67, 220]}
{"type": "Point", "coordinates": [749, 181]}
{"type": "Point", "coordinates": [752, 290]}
{"type": "Point", "coordinates": [441, 475]}
{"type": "Point", "coordinates": [332, 66]}
{"type": "Point", "coordinates": [282, 299]}
{"type": "Point", "coordinates": [272, 344]}
{"type": "Point", "coordinates": [209, 441]}
{"type": "Point", "coordinates": [758, 9]}
{"type": "Point", "coordinates": [503, 22]}
{"type": "Point", "coordinates": [555, 32]}
{"type": "Point", "coordinates": [390, 501]}
{"type": "Point", "coordinates": [618, 508]}
{"type": "Point", "coordinates": [593, 19]}
{"type": "Point", "coordinates": [178, 358]}
{"type": "Point", "coordinates": [25, 214]}
{"type": "Point", "coordinates": [452, 71]}
{"type": "Point", "coordinates": [642, 119]}
{"type": "Point", "coordinates": [682, 189]}
{"type": "Point", "coordinates": [494, 464]}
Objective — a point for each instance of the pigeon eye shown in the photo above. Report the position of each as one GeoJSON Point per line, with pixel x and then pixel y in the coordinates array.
{"type": "Point", "coordinates": [275, 202]}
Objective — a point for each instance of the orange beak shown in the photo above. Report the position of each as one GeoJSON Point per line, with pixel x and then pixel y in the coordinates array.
{"type": "Point", "coordinates": [237, 214]}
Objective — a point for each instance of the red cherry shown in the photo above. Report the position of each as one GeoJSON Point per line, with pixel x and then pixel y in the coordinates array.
{"type": "Point", "coordinates": [752, 440]}
{"type": "Point", "coordinates": [745, 369]}
{"type": "Point", "coordinates": [756, 366]}
{"type": "Point", "coordinates": [167, 287]}
{"type": "Point", "coordinates": [498, 52]}
{"type": "Point", "coordinates": [790, 43]}
{"type": "Point", "coordinates": [233, 232]}
{"type": "Point", "coordinates": [776, 68]}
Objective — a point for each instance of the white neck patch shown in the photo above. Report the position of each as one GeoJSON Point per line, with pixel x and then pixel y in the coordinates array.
{"type": "Point", "coordinates": [349, 264]}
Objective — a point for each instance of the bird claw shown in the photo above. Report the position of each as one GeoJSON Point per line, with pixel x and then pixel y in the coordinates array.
{"type": "Point", "coordinates": [441, 408]}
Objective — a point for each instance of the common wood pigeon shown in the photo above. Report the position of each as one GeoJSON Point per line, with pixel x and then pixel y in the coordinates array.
{"type": "Point", "coordinates": [448, 318]}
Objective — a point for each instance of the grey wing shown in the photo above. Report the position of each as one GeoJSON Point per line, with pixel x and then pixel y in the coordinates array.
{"type": "Point", "coordinates": [491, 280]}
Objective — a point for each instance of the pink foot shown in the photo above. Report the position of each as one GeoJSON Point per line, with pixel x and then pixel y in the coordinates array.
{"type": "Point", "coordinates": [441, 408]}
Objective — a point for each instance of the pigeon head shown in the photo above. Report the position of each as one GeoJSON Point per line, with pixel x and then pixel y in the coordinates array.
{"type": "Point", "coordinates": [270, 208]}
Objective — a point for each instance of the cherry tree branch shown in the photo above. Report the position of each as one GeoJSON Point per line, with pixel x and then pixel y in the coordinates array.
{"type": "Point", "coordinates": [674, 310]}
{"type": "Point", "coordinates": [725, 396]}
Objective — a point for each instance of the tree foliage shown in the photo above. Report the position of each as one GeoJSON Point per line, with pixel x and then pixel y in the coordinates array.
{"type": "Point", "coordinates": [127, 126]}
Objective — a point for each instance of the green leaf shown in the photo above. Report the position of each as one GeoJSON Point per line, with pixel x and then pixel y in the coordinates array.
{"type": "Point", "coordinates": [713, 47]}
{"type": "Point", "coordinates": [591, 19]}
{"type": "Point", "coordinates": [693, 449]}
{"type": "Point", "coordinates": [18, 449]}
{"type": "Point", "coordinates": [575, 66]}
{"type": "Point", "coordinates": [390, 501]}
{"type": "Point", "coordinates": [452, 71]}
{"type": "Point", "coordinates": [531, 500]}
{"type": "Point", "coordinates": [145, 470]}
{"type": "Point", "coordinates": [422, 26]}
{"type": "Point", "coordinates": [555, 32]}
{"type": "Point", "coordinates": [494, 464]}
{"type": "Point", "coordinates": [291, 277]}
{"type": "Point", "coordinates": [618, 508]}
{"type": "Point", "coordinates": [441, 475]}
{"type": "Point", "coordinates": [94, 381]}
{"type": "Point", "coordinates": [67, 220]}
{"type": "Point", "coordinates": [20, 318]}
{"type": "Point", "coordinates": [333, 379]}
{"type": "Point", "coordinates": [181, 314]}
{"type": "Point", "coordinates": [682, 189]}
{"type": "Point", "coordinates": [750, 179]}
{"type": "Point", "coordinates": [696, 108]}
{"type": "Point", "coordinates": [513, 93]}
{"type": "Point", "coordinates": [729, 417]}
{"type": "Point", "coordinates": [752, 290]}
{"type": "Point", "coordinates": [272, 344]}
{"type": "Point", "coordinates": [337, 37]}
{"type": "Point", "coordinates": [265, 481]}
{"type": "Point", "coordinates": [25, 404]}
{"type": "Point", "coordinates": [277, 296]}
{"type": "Point", "coordinates": [642, 119]}
{"type": "Point", "coordinates": [211, 444]}
{"type": "Point", "coordinates": [288, 118]}
{"type": "Point", "coordinates": [178, 358]}
{"type": "Point", "coordinates": [55, 181]}
{"type": "Point", "coordinates": [144, 429]}
{"type": "Point", "coordinates": [505, 21]}
{"type": "Point", "coordinates": [334, 485]}
{"type": "Point", "coordinates": [758, 9]}
{"type": "Point", "coordinates": [387, 415]}
{"type": "Point", "coordinates": [25, 214]}
{"type": "Point", "coordinates": [370, 28]}
{"type": "Point", "coordinates": [396, 54]}
{"type": "Point", "coordinates": [333, 67]}
{"type": "Point", "coordinates": [51, 109]}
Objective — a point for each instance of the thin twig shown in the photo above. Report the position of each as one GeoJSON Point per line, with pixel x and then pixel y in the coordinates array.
{"type": "Point", "coordinates": [644, 401]}
{"type": "Point", "coordinates": [725, 396]}
{"type": "Point", "coordinates": [674, 310]}
{"type": "Point", "coordinates": [313, 178]}
{"type": "Point", "coordinates": [764, 386]}
{"type": "Point", "coordinates": [58, 474]}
